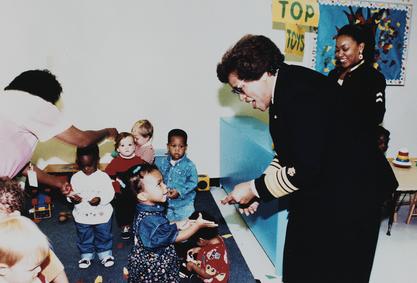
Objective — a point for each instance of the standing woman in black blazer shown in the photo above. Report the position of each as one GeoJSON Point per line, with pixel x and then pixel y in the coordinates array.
{"type": "Point", "coordinates": [364, 86]}
{"type": "Point", "coordinates": [355, 53]}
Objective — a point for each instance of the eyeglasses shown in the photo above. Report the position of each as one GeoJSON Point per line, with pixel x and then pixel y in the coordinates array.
{"type": "Point", "coordinates": [238, 90]}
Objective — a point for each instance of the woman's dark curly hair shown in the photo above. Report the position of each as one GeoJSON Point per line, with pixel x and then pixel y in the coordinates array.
{"type": "Point", "coordinates": [361, 33]}
{"type": "Point", "coordinates": [11, 196]}
{"type": "Point", "coordinates": [41, 83]}
{"type": "Point", "coordinates": [250, 58]}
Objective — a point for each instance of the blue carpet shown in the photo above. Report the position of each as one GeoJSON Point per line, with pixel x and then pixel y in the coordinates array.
{"type": "Point", "coordinates": [63, 239]}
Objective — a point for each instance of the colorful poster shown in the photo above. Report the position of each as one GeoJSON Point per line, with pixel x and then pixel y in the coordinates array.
{"type": "Point", "coordinates": [391, 24]}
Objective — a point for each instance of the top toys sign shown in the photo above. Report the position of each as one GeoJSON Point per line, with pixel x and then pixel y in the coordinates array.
{"type": "Point", "coordinates": [300, 12]}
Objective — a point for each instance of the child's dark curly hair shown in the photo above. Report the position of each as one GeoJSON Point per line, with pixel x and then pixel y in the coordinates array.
{"type": "Point", "coordinates": [135, 180]}
{"type": "Point", "coordinates": [177, 133]}
{"type": "Point", "coordinates": [91, 150]}
{"type": "Point", "coordinates": [121, 136]}
{"type": "Point", "coordinates": [11, 196]}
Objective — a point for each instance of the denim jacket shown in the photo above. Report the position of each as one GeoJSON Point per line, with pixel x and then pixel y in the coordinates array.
{"type": "Point", "coordinates": [182, 177]}
{"type": "Point", "coordinates": [153, 228]}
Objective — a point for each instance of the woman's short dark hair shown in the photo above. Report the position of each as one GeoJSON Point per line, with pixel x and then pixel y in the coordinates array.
{"type": "Point", "coordinates": [250, 58]}
{"type": "Point", "coordinates": [41, 83]}
{"type": "Point", "coordinates": [361, 33]}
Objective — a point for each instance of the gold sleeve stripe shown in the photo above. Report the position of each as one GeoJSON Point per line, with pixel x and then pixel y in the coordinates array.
{"type": "Point", "coordinates": [275, 163]}
{"type": "Point", "coordinates": [274, 166]}
{"type": "Point", "coordinates": [277, 182]}
{"type": "Point", "coordinates": [281, 181]}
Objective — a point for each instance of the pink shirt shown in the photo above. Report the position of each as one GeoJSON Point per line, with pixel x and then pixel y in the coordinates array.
{"type": "Point", "coordinates": [24, 120]}
{"type": "Point", "coordinates": [146, 152]}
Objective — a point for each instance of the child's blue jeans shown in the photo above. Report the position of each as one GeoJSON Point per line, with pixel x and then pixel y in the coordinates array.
{"type": "Point", "coordinates": [95, 238]}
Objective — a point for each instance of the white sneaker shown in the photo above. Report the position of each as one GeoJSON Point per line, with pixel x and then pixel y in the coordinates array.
{"type": "Point", "coordinates": [108, 261]}
{"type": "Point", "coordinates": [84, 263]}
{"type": "Point", "coordinates": [125, 235]}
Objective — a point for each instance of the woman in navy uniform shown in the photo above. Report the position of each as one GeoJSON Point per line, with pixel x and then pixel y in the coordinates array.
{"type": "Point", "coordinates": [322, 164]}
{"type": "Point", "coordinates": [364, 87]}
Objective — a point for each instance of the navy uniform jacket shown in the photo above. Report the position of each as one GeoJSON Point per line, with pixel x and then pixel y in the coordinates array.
{"type": "Point", "coordinates": [364, 87]}
{"type": "Point", "coordinates": [327, 169]}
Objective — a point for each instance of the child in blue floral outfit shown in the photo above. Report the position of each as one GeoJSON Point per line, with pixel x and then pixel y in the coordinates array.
{"type": "Point", "coordinates": [180, 175]}
{"type": "Point", "coordinates": [153, 257]}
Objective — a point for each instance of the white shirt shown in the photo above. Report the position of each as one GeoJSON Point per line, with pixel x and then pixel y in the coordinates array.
{"type": "Point", "coordinates": [99, 185]}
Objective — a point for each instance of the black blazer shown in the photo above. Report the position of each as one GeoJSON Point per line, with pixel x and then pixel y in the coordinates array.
{"type": "Point", "coordinates": [334, 215]}
{"type": "Point", "coordinates": [365, 87]}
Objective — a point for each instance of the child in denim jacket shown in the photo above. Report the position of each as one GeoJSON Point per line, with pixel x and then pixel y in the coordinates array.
{"type": "Point", "coordinates": [180, 176]}
{"type": "Point", "coordinates": [153, 257]}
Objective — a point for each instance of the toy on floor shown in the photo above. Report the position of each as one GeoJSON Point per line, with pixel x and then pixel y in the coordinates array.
{"type": "Point", "coordinates": [203, 183]}
{"type": "Point", "coordinates": [64, 216]}
{"type": "Point", "coordinates": [42, 207]}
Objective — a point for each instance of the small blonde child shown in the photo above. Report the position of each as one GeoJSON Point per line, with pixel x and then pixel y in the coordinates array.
{"type": "Point", "coordinates": [142, 130]}
{"type": "Point", "coordinates": [11, 204]}
{"type": "Point", "coordinates": [153, 257]}
{"type": "Point", "coordinates": [23, 248]}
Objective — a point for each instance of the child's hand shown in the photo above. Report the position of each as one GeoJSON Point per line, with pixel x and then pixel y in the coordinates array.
{"type": "Point", "coordinates": [173, 194]}
{"type": "Point", "coordinates": [76, 199]}
{"type": "Point", "coordinates": [95, 201]}
{"type": "Point", "coordinates": [190, 265]}
{"type": "Point", "coordinates": [184, 224]}
{"type": "Point", "coordinates": [66, 189]}
{"type": "Point", "coordinates": [204, 223]}
{"type": "Point", "coordinates": [191, 253]}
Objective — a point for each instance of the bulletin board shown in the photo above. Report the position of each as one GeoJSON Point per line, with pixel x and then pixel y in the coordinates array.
{"type": "Point", "coordinates": [391, 23]}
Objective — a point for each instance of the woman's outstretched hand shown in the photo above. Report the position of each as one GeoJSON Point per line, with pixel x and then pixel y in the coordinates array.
{"type": "Point", "coordinates": [243, 195]}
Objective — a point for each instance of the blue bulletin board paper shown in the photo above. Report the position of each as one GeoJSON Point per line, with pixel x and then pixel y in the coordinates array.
{"type": "Point", "coordinates": [392, 26]}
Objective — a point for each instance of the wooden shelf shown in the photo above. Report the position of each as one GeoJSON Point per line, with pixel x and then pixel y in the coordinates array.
{"type": "Point", "coordinates": [67, 168]}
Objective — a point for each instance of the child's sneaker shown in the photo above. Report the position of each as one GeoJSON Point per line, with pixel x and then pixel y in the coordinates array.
{"type": "Point", "coordinates": [84, 263]}
{"type": "Point", "coordinates": [184, 273]}
{"type": "Point", "coordinates": [108, 261]}
{"type": "Point", "coordinates": [125, 233]}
